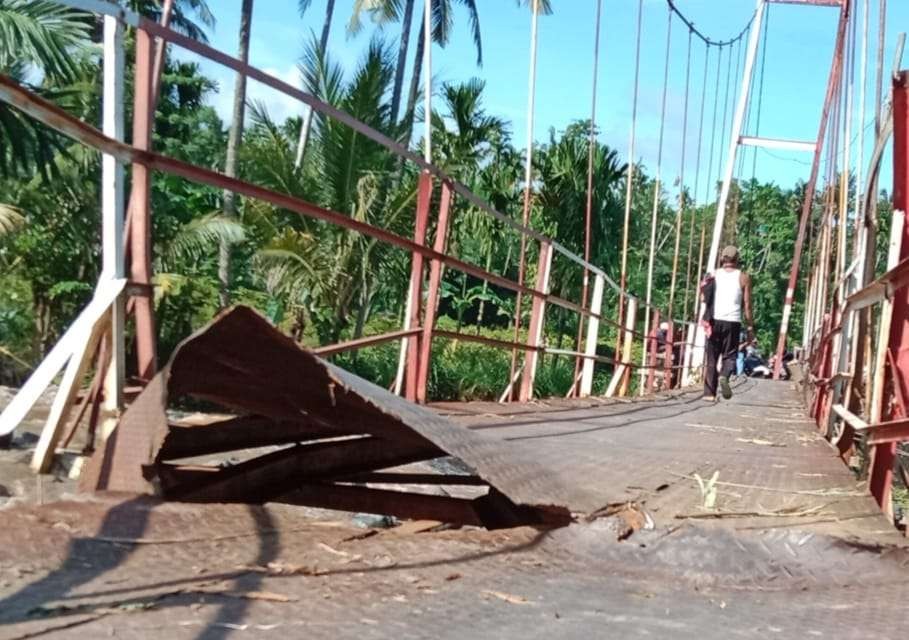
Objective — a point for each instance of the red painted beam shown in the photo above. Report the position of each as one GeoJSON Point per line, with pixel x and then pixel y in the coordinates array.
{"type": "Point", "coordinates": [888, 433]}
{"type": "Point", "coordinates": [883, 455]}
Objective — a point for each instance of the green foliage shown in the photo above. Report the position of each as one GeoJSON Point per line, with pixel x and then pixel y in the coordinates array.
{"type": "Point", "coordinates": [317, 281]}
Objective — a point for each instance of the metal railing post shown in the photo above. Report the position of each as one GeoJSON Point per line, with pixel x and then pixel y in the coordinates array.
{"type": "Point", "coordinates": [883, 455]}
{"type": "Point", "coordinates": [432, 300]}
{"type": "Point", "coordinates": [415, 295]}
{"type": "Point", "coordinates": [140, 227]}
{"type": "Point", "coordinates": [593, 332]}
{"type": "Point", "coordinates": [537, 321]}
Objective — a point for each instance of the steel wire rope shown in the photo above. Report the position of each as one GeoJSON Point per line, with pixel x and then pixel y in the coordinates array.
{"type": "Point", "coordinates": [681, 213]}
{"type": "Point", "coordinates": [700, 35]}
{"type": "Point", "coordinates": [528, 179]}
{"type": "Point", "coordinates": [591, 151]}
{"type": "Point", "coordinates": [697, 179]}
{"type": "Point", "coordinates": [657, 188]}
{"type": "Point", "coordinates": [629, 180]}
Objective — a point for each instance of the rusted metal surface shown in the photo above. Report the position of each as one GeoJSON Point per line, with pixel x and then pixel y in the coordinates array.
{"type": "Point", "coordinates": [537, 323]}
{"type": "Point", "coordinates": [432, 300]}
{"type": "Point", "coordinates": [336, 424]}
{"type": "Point", "coordinates": [367, 341]}
{"type": "Point", "coordinates": [415, 294]}
{"type": "Point", "coordinates": [140, 207]}
{"type": "Point", "coordinates": [820, 561]}
{"type": "Point", "coordinates": [883, 453]}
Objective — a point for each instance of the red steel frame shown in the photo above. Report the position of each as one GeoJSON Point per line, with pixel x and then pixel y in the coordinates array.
{"type": "Point", "coordinates": [836, 72]}
{"type": "Point", "coordinates": [140, 200]}
{"type": "Point", "coordinates": [883, 449]}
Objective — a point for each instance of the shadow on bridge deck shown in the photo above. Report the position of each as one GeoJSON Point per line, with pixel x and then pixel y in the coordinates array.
{"type": "Point", "coordinates": [769, 458]}
{"type": "Point", "coordinates": [800, 549]}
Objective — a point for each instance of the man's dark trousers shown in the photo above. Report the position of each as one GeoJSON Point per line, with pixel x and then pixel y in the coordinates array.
{"type": "Point", "coordinates": [723, 343]}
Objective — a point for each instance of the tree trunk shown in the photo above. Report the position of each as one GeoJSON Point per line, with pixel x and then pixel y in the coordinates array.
{"type": "Point", "coordinates": [406, 24]}
{"type": "Point", "coordinates": [233, 143]}
{"type": "Point", "coordinates": [307, 119]}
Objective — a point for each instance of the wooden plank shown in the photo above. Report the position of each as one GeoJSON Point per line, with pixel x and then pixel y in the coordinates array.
{"type": "Point", "coordinates": [849, 418]}
{"type": "Point", "coordinates": [28, 395]}
{"type": "Point", "coordinates": [883, 336]}
{"type": "Point", "coordinates": [619, 374]}
{"type": "Point", "coordinates": [593, 332]}
{"type": "Point", "coordinates": [62, 406]}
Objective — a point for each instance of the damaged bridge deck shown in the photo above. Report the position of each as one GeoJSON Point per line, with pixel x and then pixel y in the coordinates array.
{"type": "Point", "coordinates": [799, 551]}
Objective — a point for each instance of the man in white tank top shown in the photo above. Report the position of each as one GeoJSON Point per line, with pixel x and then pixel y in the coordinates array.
{"type": "Point", "coordinates": [732, 293]}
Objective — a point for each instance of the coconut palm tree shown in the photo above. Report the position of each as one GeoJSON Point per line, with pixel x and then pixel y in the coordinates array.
{"type": "Point", "coordinates": [190, 17]}
{"type": "Point", "coordinates": [388, 11]}
{"type": "Point", "coordinates": [325, 275]}
{"type": "Point", "coordinates": [303, 5]}
{"type": "Point", "coordinates": [51, 39]}
{"type": "Point", "coordinates": [233, 143]}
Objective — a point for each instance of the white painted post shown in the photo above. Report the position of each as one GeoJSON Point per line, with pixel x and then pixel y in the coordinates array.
{"type": "Point", "coordinates": [112, 210]}
{"type": "Point", "coordinates": [593, 332]}
{"type": "Point", "coordinates": [689, 351]}
{"type": "Point", "coordinates": [625, 355]}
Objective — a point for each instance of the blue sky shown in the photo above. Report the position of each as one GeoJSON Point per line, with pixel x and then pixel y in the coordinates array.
{"type": "Point", "coordinates": [799, 49]}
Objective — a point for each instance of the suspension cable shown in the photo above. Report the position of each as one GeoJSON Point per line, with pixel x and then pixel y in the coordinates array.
{"type": "Point", "coordinates": [716, 103]}
{"type": "Point", "coordinates": [681, 213]}
{"type": "Point", "coordinates": [528, 178]}
{"type": "Point", "coordinates": [704, 38]}
{"type": "Point", "coordinates": [630, 178]}
{"type": "Point", "coordinates": [657, 187]}
{"type": "Point", "coordinates": [591, 151]}
{"type": "Point", "coordinates": [697, 179]}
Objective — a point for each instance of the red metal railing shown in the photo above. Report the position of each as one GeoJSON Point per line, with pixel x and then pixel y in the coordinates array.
{"type": "Point", "coordinates": [420, 330]}
{"type": "Point", "coordinates": [864, 403]}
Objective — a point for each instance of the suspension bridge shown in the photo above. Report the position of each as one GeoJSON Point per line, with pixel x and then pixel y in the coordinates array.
{"type": "Point", "coordinates": [639, 510]}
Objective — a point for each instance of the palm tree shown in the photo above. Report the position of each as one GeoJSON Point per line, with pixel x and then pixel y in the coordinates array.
{"type": "Point", "coordinates": [180, 19]}
{"type": "Point", "coordinates": [53, 40]}
{"type": "Point", "coordinates": [233, 143]}
{"type": "Point", "coordinates": [323, 45]}
{"type": "Point", "coordinates": [328, 276]}
{"type": "Point", "coordinates": [387, 11]}
{"type": "Point", "coordinates": [442, 24]}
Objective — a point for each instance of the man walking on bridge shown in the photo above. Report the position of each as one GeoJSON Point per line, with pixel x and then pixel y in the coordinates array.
{"type": "Point", "coordinates": [731, 288]}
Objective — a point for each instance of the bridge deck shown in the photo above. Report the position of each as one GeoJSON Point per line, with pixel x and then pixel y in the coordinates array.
{"type": "Point", "coordinates": [767, 453]}
{"type": "Point", "coordinates": [213, 571]}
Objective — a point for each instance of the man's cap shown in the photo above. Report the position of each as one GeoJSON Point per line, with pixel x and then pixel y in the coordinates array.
{"type": "Point", "coordinates": [731, 252]}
